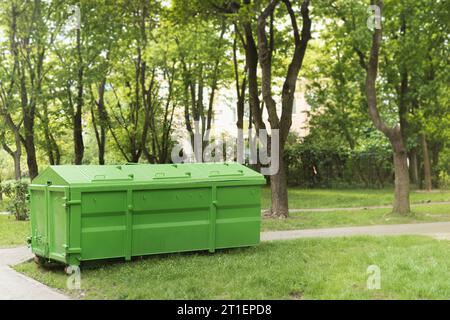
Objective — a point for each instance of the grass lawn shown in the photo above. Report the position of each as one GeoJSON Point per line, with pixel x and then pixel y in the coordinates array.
{"type": "Point", "coordinates": [342, 218]}
{"type": "Point", "coordinates": [12, 232]}
{"type": "Point", "coordinates": [328, 198]}
{"type": "Point", "coordinates": [412, 267]}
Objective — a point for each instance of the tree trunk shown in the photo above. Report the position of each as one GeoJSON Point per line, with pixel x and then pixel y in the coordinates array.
{"type": "Point", "coordinates": [7, 116]}
{"type": "Point", "coordinates": [102, 140]}
{"type": "Point", "coordinates": [401, 201]}
{"type": "Point", "coordinates": [33, 170]}
{"type": "Point", "coordinates": [101, 154]}
{"type": "Point", "coordinates": [251, 58]}
{"type": "Point", "coordinates": [413, 166]}
{"type": "Point", "coordinates": [49, 146]}
{"type": "Point", "coordinates": [240, 128]}
{"type": "Point", "coordinates": [213, 87]}
{"type": "Point", "coordinates": [283, 124]}
{"type": "Point", "coordinates": [278, 184]}
{"type": "Point", "coordinates": [240, 104]}
{"type": "Point", "coordinates": [56, 150]}
{"type": "Point", "coordinates": [17, 170]}
{"type": "Point", "coordinates": [77, 119]}
{"type": "Point", "coordinates": [100, 133]}
{"type": "Point", "coordinates": [426, 165]}
{"type": "Point", "coordinates": [29, 144]}
{"type": "Point", "coordinates": [28, 111]}
{"type": "Point", "coordinates": [78, 137]}
{"type": "Point", "coordinates": [436, 149]}
{"type": "Point", "coordinates": [44, 119]}
{"type": "Point", "coordinates": [16, 155]}
{"type": "Point", "coordinates": [30, 89]}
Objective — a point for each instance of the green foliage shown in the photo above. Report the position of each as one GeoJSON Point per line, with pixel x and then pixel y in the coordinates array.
{"type": "Point", "coordinates": [444, 168]}
{"type": "Point", "coordinates": [17, 192]}
{"type": "Point", "coordinates": [413, 48]}
{"type": "Point", "coordinates": [180, 44]}
{"type": "Point", "coordinates": [321, 159]}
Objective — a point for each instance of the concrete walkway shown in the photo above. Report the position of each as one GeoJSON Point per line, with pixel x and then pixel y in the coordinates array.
{"type": "Point", "coordinates": [16, 286]}
{"type": "Point", "coordinates": [438, 230]}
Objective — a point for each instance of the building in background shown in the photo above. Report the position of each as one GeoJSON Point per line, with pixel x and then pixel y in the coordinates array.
{"type": "Point", "coordinates": [225, 113]}
{"type": "Point", "coordinates": [223, 126]}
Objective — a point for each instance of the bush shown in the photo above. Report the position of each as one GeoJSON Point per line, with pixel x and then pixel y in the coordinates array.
{"type": "Point", "coordinates": [318, 162]}
{"type": "Point", "coordinates": [17, 192]}
{"type": "Point", "coordinates": [444, 169]}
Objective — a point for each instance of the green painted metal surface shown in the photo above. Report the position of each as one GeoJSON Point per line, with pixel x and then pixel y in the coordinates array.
{"type": "Point", "coordinates": [81, 213]}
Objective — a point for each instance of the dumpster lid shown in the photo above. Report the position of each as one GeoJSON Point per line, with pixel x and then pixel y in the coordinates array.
{"type": "Point", "coordinates": [151, 173]}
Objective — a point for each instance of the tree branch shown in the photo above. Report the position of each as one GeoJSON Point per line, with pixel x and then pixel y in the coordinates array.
{"type": "Point", "coordinates": [371, 77]}
{"type": "Point", "coordinates": [265, 60]}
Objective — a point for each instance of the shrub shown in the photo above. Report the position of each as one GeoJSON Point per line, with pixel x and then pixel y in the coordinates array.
{"type": "Point", "coordinates": [314, 161]}
{"type": "Point", "coordinates": [17, 192]}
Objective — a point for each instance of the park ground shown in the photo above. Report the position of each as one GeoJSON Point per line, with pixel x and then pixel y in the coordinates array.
{"type": "Point", "coordinates": [336, 198]}
{"type": "Point", "coordinates": [412, 267]}
{"type": "Point", "coordinates": [13, 233]}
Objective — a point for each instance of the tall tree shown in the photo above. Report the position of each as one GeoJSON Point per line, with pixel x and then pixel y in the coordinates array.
{"type": "Point", "coordinates": [130, 119]}
{"type": "Point", "coordinates": [394, 134]}
{"type": "Point", "coordinates": [32, 40]}
{"type": "Point", "coordinates": [106, 32]}
{"type": "Point", "coordinates": [29, 38]}
{"type": "Point", "coordinates": [8, 82]}
{"type": "Point", "coordinates": [201, 53]}
{"type": "Point", "coordinates": [266, 49]}
{"type": "Point", "coordinates": [79, 51]}
{"type": "Point", "coordinates": [144, 94]}
{"type": "Point", "coordinates": [241, 89]}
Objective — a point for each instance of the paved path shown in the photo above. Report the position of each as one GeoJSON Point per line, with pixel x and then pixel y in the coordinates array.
{"type": "Point", "coordinates": [438, 230]}
{"type": "Point", "coordinates": [14, 285]}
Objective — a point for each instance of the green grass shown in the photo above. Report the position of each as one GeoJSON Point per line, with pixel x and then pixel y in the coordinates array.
{"type": "Point", "coordinates": [12, 232]}
{"type": "Point", "coordinates": [327, 198]}
{"type": "Point", "coordinates": [342, 218]}
{"type": "Point", "coordinates": [412, 267]}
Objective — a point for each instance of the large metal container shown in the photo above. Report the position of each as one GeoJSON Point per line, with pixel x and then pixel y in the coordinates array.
{"type": "Point", "coordinates": [81, 213]}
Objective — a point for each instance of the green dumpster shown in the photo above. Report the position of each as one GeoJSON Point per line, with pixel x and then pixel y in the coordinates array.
{"type": "Point", "coordinates": [81, 213]}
